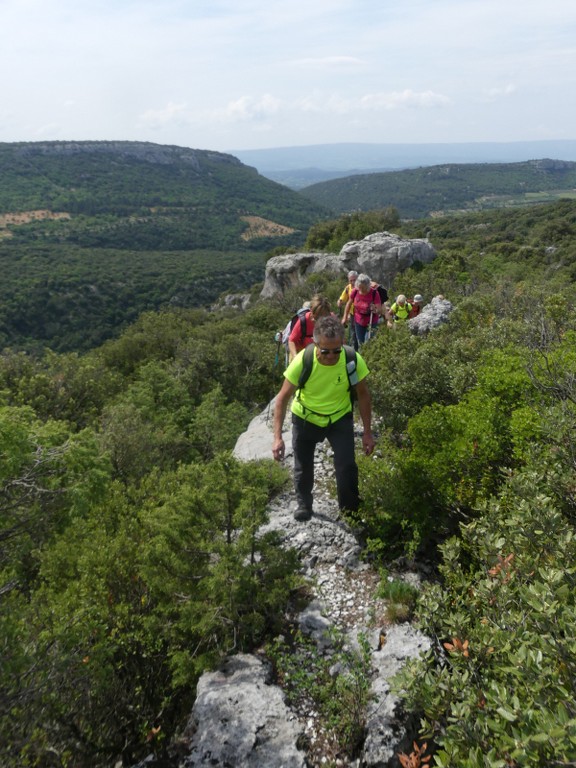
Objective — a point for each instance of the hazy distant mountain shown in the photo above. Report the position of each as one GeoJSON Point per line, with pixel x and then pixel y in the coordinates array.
{"type": "Point", "coordinates": [298, 167]}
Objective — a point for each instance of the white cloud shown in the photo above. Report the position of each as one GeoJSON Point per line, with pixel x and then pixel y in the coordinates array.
{"type": "Point", "coordinates": [171, 113]}
{"type": "Point", "coordinates": [209, 71]}
{"type": "Point", "coordinates": [250, 108]}
{"type": "Point", "coordinates": [401, 99]}
{"type": "Point", "coordinates": [247, 108]}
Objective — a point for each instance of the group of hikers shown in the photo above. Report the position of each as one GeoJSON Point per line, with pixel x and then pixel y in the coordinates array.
{"type": "Point", "coordinates": [366, 306]}
{"type": "Point", "coordinates": [322, 379]}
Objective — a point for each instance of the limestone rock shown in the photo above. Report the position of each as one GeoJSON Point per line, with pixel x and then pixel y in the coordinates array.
{"type": "Point", "coordinates": [239, 719]}
{"type": "Point", "coordinates": [381, 255]}
{"type": "Point", "coordinates": [239, 301]}
{"type": "Point", "coordinates": [256, 442]}
{"type": "Point", "coordinates": [387, 731]}
{"type": "Point", "coordinates": [432, 315]}
{"type": "Point", "coordinates": [291, 270]}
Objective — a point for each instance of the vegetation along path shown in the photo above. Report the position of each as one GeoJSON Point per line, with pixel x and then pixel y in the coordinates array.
{"type": "Point", "coordinates": [336, 658]}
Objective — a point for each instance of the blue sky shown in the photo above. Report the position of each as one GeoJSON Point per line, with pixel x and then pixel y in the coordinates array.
{"type": "Point", "coordinates": [249, 74]}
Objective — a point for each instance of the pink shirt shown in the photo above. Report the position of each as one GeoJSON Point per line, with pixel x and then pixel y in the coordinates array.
{"type": "Point", "coordinates": [362, 303]}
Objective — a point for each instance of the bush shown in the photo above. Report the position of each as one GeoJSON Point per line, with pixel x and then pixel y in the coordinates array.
{"type": "Point", "coordinates": [498, 686]}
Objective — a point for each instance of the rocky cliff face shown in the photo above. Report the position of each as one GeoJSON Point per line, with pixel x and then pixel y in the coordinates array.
{"type": "Point", "coordinates": [381, 255]}
{"type": "Point", "coordinates": [137, 150]}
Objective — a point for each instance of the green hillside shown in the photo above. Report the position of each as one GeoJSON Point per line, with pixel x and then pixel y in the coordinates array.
{"type": "Point", "coordinates": [138, 195]}
{"type": "Point", "coordinates": [94, 233]}
{"type": "Point", "coordinates": [429, 191]}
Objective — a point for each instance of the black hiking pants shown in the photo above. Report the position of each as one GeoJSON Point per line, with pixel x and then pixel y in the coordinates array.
{"type": "Point", "coordinates": [340, 435]}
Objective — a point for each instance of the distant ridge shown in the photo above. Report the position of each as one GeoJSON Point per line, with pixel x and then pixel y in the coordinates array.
{"type": "Point", "coordinates": [436, 189]}
{"type": "Point", "coordinates": [348, 159]}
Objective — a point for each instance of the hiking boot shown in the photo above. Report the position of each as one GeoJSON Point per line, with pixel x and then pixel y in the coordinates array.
{"type": "Point", "coordinates": [302, 514]}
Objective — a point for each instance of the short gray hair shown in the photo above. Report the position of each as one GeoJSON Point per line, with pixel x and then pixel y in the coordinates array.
{"type": "Point", "coordinates": [363, 280]}
{"type": "Point", "coordinates": [328, 328]}
{"type": "Point", "coordinates": [352, 273]}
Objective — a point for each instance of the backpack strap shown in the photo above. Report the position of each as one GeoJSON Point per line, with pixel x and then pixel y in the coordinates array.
{"type": "Point", "coordinates": [307, 362]}
{"type": "Point", "coordinates": [351, 365]}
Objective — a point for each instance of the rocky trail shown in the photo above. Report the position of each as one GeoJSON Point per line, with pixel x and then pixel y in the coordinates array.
{"type": "Point", "coordinates": [242, 718]}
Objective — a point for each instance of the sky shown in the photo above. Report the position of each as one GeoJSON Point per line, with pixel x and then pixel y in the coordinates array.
{"type": "Point", "coordinates": [254, 74]}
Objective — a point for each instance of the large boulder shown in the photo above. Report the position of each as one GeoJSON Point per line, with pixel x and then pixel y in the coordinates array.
{"type": "Point", "coordinates": [292, 270]}
{"type": "Point", "coordinates": [381, 255]}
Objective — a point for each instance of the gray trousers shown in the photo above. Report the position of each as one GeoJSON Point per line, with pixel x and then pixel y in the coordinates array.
{"type": "Point", "coordinates": [340, 435]}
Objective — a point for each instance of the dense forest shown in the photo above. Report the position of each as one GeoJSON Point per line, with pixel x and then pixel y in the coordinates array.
{"type": "Point", "coordinates": [130, 558]}
{"type": "Point", "coordinates": [433, 190]}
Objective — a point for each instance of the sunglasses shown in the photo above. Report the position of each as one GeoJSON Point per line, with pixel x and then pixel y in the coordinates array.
{"type": "Point", "coordinates": [330, 351]}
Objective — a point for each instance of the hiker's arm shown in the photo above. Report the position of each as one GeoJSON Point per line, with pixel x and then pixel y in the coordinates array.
{"type": "Point", "coordinates": [365, 408]}
{"type": "Point", "coordinates": [292, 350]}
{"type": "Point", "coordinates": [346, 311]}
{"type": "Point", "coordinates": [280, 408]}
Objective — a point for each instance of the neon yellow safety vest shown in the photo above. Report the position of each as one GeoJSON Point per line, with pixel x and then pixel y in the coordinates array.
{"type": "Point", "coordinates": [401, 313]}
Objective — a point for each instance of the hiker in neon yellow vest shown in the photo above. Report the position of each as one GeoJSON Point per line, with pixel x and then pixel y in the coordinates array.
{"type": "Point", "coordinates": [401, 308]}
{"type": "Point", "coordinates": [322, 409]}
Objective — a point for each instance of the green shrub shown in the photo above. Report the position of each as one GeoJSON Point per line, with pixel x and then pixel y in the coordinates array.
{"type": "Point", "coordinates": [497, 688]}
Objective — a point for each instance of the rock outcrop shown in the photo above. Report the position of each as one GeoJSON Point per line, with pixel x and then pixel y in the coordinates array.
{"type": "Point", "coordinates": [240, 301]}
{"type": "Point", "coordinates": [436, 313]}
{"type": "Point", "coordinates": [381, 255]}
{"type": "Point", "coordinates": [239, 719]}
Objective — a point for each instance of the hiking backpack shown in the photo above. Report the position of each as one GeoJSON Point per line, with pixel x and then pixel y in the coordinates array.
{"type": "Point", "coordinates": [382, 292]}
{"type": "Point", "coordinates": [299, 316]}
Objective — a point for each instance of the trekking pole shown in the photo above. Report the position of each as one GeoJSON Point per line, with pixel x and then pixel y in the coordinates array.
{"type": "Point", "coordinates": [278, 340]}
{"type": "Point", "coordinates": [369, 334]}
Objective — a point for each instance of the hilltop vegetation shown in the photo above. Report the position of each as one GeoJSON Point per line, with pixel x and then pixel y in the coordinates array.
{"type": "Point", "coordinates": [94, 233]}
{"type": "Point", "coordinates": [424, 192]}
{"type": "Point", "coordinates": [141, 196]}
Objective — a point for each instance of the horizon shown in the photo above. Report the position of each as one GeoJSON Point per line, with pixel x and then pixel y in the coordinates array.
{"type": "Point", "coordinates": [259, 75]}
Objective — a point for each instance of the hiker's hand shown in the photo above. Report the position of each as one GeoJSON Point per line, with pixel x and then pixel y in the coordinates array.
{"type": "Point", "coordinates": [344, 321]}
{"type": "Point", "coordinates": [368, 443]}
{"type": "Point", "coordinates": [278, 449]}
